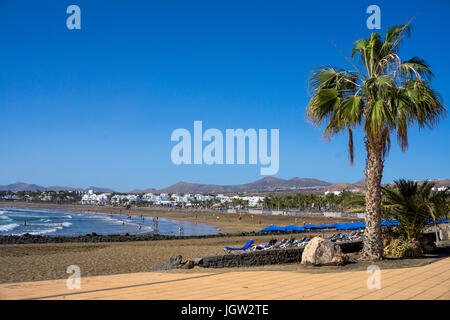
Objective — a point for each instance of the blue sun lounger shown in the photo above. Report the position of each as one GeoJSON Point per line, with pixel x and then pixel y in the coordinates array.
{"type": "Point", "coordinates": [247, 246]}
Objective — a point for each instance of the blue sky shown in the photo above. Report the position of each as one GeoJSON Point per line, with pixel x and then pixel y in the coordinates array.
{"type": "Point", "coordinates": [97, 106]}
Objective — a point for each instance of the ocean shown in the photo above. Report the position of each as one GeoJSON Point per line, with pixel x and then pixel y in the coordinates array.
{"type": "Point", "coordinates": [77, 223]}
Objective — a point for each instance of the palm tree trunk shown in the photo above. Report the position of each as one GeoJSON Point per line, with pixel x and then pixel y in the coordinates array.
{"type": "Point", "coordinates": [373, 243]}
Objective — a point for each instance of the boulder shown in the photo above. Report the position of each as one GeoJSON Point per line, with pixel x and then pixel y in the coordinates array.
{"type": "Point", "coordinates": [173, 263]}
{"type": "Point", "coordinates": [188, 265]}
{"type": "Point", "coordinates": [443, 233]}
{"type": "Point", "coordinates": [321, 252]}
{"type": "Point", "coordinates": [428, 242]}
{"type": "Point", "coordinates": [197, 261]}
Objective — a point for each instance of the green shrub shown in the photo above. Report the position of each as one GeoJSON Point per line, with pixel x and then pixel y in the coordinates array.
{"type": "Point", "coordinates": [401, 248]}
{"type": "Point", "coordinates": [413, 204]}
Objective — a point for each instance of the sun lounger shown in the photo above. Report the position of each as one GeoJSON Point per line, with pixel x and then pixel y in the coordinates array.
{"type": "Point", "coordinates": [284, 241]}
{"type": "Point", "coordinates": [265, 246]}
{"type": "Point", "coordinates": [246, 247]}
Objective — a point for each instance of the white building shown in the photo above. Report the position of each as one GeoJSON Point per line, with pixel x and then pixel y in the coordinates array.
{"type": "Point", "coordinates": [253, 201]}
{"type": "Point", "coordinates": [91, 198]}
{"type": "Point", "coordinates": [333, 192]}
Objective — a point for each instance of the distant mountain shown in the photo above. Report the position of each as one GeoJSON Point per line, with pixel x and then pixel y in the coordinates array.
{"type": "Point", "coordinates": [97, 189]}
{"type": "Point", "coordinates": [21, 186]}
{"type": "Point", "coordinates": [149, 190]}
{"type": "Point", "coordinates": [361, 183]}
{"type": "Point", "coordinates": [306, 183]}
{"type": "Point", "coordinates": [264, 184]}
{"type": "Point", "coordinates": [341, 186]}
{"type": "Point", "coordinates": [186, 187]}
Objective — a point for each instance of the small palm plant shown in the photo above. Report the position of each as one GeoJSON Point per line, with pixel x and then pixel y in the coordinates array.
{"type": "Point", "coordinates": [414, 205]}
{"type": "Point", "coordinates": [386, 97]}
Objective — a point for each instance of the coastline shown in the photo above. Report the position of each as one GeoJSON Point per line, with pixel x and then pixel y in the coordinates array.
{"type": "Point", "coordinates": [229, 223]}
{"type": "Point", "coordinates": [95, 255]}
{"type": "Point", "coordinates": [104, 255]}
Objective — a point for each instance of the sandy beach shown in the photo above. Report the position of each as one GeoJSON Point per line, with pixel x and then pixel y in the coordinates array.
{"type": "Point", "coordinates": [29, 262]}
{"type": "Point", "coordinates": [26, 262]}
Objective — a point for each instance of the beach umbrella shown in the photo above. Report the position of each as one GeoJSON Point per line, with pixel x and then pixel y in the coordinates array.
{"type": "Point", "coordinates": [345, 226]}
{"type": "Point", "coordinates": [361, 225]}
{"type": "Point", "coordinates": [272, 228]}
{"type": "Point", "coordinates": [294, 228]}
{"type": "Point", "coordinates": [321, 226]}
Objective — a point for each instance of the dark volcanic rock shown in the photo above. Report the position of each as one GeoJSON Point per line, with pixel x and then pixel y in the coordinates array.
{"type": "Point", "coordinates": [93, 237]}
{"type": "Point", "coordinates": [188, 265]}
{"type": "Point", "coordinates": [428, 242]}
{"type": "Point", "coordinates": [173, 263]}
{"type": "Point", "coordinates": [264, 257]}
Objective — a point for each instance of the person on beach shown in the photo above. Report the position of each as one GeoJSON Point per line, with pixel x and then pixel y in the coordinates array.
{"type": "Point", "coordinates": [139, 227]}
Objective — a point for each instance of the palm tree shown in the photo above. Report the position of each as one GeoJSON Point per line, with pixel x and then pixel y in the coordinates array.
{"type": "Point", "coordinates": [413, 205]}
{"type": "Point", "coordinates": [387, 97]}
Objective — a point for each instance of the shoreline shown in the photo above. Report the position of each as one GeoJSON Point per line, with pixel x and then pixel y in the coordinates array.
{"type": "Point", "coordinates": [229, 223]}
{"type": "Point", "coordinates": [93, 208]}
{"type": "Point", "coordinates": [97, 238]}
{"type": "Point", "coordinates": [108, 255]}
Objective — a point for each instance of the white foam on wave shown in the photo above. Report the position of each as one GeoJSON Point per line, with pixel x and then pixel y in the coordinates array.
{"type": "Point", "coordinates": [146, 228]}
{"type": "Point", "coordinates": [108, 218]}
{"type": "Point", "coordinates": [40, 232]}
{"type": "Point", "coordinates": [30, 210]}
{"type": "Point", "coordinates": [45, 231]}
{"type": "Point", "coordinates": [59, 225]}
{"type": "Point", "coordinates": [8, 227]}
